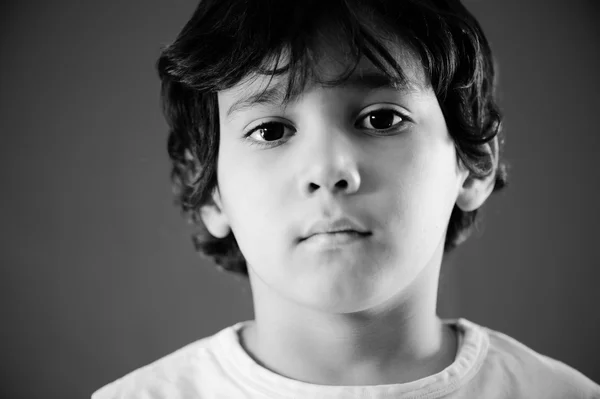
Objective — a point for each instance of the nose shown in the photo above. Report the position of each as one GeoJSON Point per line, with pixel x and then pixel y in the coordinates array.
{"type": "Point", "coordinates": [331, 166]}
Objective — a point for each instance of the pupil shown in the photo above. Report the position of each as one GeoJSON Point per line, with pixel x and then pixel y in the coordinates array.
{"type": "Point", "coordinates": [381, 119]}
{"type": "Point", "coordinates": [271, 132]}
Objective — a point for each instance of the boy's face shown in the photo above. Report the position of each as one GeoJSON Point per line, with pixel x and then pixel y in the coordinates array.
{"type": "Point", "coordinates": [380, 157]}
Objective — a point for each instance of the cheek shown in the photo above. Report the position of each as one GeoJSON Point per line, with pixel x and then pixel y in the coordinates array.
{"type": "Point", "coordinates": [251, 197]}
{"type": "Point", "coordinates": [425, 189]}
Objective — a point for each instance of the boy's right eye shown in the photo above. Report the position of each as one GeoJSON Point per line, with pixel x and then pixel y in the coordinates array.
{"type": "Point", "coordinates": [267, 134]}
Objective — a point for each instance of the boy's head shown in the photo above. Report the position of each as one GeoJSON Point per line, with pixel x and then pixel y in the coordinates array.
{"type": "Point", "coordinates": [287, 116]}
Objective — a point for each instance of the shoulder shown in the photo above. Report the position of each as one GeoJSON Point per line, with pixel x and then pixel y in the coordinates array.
{"type": "Point", "coordinates": [176, 375]}
{"type": "Point", "coordinates": [532, 374]}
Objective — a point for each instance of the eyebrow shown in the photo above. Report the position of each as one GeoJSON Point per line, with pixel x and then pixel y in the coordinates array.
{"type": "Point", "coordinates": [274, 95]}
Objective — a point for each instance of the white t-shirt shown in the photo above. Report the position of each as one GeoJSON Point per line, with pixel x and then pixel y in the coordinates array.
{"type": "Point", "coordinates": [488, 364]}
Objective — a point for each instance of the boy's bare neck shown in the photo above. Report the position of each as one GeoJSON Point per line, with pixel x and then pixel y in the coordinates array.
{"type": "Point", "coordinates": [346, 361]}
{"type": "Point", "coordinates": [404, 342]}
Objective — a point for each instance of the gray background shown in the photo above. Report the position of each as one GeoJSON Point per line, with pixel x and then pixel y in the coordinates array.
{"type": "Point", "coordinates": [98, 274]}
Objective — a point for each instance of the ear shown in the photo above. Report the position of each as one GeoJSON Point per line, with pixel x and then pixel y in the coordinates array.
{"type": "Point", "coordinates": [475, 191]}
{"type": "Point", "coordinates": [214, 218]}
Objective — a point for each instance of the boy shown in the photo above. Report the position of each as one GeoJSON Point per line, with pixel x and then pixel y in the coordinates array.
{"type": "Point", "coordinates": [332, 152]}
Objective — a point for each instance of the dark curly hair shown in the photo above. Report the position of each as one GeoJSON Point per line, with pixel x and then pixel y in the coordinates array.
{"type": "Point", "coordinates": [228, 40]}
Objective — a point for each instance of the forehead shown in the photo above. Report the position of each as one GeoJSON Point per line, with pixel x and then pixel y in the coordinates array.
{"type": "Point", "coordinates": [330, 67]}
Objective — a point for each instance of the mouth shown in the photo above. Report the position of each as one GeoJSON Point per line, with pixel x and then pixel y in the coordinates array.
{"type": "Point", "coordinates": [335, 237]}
{"type": "Point", "coordinates": [337, 230]}
{"type": "Point", "coordinates": [346, 231]}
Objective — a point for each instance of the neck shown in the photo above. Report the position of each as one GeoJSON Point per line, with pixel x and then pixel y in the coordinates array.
{"type": "Point", "coordinates": [401, 340]}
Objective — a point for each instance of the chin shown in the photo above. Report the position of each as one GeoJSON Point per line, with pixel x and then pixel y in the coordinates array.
{"type": "Point", "coordinates": [338, 296]}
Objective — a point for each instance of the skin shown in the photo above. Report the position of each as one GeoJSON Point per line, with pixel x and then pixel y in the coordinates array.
{"type": "Point", "coordinates": [359, 313]}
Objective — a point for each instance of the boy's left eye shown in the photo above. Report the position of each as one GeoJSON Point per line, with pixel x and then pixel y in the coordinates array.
{"type": "Point", "coordinates": [381, 119]}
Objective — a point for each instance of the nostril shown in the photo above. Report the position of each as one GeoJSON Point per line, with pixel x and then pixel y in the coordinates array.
{"type": "Point", "coordinates": [342, 184]}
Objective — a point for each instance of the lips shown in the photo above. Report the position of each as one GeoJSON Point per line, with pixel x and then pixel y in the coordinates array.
{"type": "Point", "coordinates": [341, 225]}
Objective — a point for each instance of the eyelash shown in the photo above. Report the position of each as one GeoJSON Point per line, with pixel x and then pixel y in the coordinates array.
{"type": "Point", "coordinates": [274, 143]}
